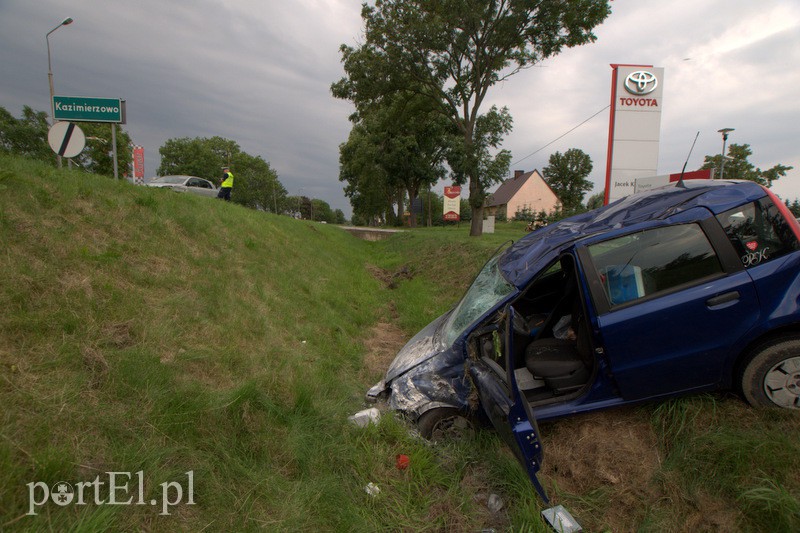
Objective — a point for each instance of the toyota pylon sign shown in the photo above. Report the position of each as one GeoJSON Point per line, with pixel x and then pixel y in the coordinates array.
{"type": "Point", "coordinates": [452, 203]}
{"type": "Point", "coordinates": [634, 128]}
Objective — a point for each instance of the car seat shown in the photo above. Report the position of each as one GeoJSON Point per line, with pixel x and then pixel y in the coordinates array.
{"type": "Point", "coordinates": [564, 365]}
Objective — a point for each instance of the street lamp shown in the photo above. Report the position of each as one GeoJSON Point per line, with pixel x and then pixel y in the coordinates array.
{"type": "Point", "coordinates": [724, 132]}
{"type": "Point", "coordinates": [64, 22]}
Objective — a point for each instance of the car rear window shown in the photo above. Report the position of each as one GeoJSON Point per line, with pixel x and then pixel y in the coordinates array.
{"type": "Point", "coordinates": [758, 232]}
{"type": "Point", "coordinates": [653, 261]}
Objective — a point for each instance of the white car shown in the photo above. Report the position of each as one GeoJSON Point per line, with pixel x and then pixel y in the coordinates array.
{"type": "Point", "coordinates": [191, 184]}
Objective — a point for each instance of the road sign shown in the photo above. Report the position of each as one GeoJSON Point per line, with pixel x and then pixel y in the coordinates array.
{"type": "Point", "coordinates": [89, 109]}
{"type": "Point", "coordinates": [66, 139]}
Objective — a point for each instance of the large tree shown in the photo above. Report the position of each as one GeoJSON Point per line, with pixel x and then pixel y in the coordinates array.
{"type": "Point", "coordinates": [371, 194]}
{"type": "Point", "coordinates": [455, 50]}
{"type": "Point", "coordinates": [737, 167]}
{"type": "Point", "coordinates": [256, 184]}
{"type": "Point", "coordinates": [567, 175]}
{"type": "Point", "coordinates": [400, 139]}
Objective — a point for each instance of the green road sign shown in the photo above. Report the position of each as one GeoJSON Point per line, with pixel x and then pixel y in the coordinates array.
{"type": "Point", "coordinates": [88, 109]}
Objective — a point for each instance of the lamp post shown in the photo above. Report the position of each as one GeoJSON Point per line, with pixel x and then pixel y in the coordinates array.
{"type": "Point", "coordinates": [724, 132]}
{"type": "Point", "coordinates": [64, 22]}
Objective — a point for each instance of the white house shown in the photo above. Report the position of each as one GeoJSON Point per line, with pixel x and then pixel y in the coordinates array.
{"type": "Point", "coordinates": [526, 190]}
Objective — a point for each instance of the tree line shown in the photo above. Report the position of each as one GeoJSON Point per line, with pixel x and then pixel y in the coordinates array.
{"type": "Point", "coordinates": [257, 184]}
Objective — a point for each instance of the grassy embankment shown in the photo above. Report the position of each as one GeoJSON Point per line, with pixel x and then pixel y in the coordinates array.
{"type": "Point", "coordinates": [144, 331]}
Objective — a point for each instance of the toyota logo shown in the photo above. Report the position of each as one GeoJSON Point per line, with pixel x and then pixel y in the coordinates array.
{"type": "Point", "coordinates": [641, 82]}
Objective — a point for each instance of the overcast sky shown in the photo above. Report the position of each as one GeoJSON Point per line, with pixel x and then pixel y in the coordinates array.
{"type": "Point", "coordinates": [259, 72]}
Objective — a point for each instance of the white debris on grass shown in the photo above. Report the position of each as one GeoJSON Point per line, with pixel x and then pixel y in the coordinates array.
{"type": "Point", "coordinates": [495, 503]}
{"type": "Point", "coordinates": [363, 418]}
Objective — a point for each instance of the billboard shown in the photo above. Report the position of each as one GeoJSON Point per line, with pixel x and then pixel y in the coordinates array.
{"type": "Point", "coordinates": [452, 203]}
{"type": "Point", "coordinates": [634, 127]}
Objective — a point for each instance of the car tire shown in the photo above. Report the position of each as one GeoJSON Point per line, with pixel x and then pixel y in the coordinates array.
{"type": "Point", "coordinates": [771, 377]}
{"type": "Point", "coordinates": [444, 423]}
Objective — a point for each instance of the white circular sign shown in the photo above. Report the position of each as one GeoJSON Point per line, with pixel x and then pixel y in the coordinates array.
{"type": "Point", "coordinates": [66, 139]}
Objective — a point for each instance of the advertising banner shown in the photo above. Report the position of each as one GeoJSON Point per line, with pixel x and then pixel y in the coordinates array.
{"type": "Point", "coordinates": [452, 203]}
{"type": "Point", "coordinates": [138, 162]}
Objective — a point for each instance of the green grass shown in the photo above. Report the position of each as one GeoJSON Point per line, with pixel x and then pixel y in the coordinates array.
{"type": "Point", "coordinates": [143, 330]}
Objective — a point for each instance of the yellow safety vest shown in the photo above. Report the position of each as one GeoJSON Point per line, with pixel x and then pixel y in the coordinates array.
{"type": "Point", "coordinates": [228, 183]}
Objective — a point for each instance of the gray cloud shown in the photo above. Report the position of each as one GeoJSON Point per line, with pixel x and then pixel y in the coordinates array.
{"type": "Point", "coordinates": [259, 73]}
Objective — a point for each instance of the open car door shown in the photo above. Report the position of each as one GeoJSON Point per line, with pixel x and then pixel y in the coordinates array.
{"type": "Point", "coordinates": [503, 403]}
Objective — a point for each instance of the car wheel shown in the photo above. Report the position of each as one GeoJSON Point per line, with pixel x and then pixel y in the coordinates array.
{"type": "Point", "coordinates": [772, 376]}
{"type": "Point", "coordinates": [444, 423]}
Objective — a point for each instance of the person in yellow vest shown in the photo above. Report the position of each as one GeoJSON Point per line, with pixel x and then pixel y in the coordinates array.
{"type": "Point", "coordinates": [227, 184]}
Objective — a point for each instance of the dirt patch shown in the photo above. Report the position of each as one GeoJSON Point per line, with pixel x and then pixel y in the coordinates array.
{"type": "Point", "coordinates": [118, 335]}
{"type": "Point", "coordinates": [96, 365]}
{"type": "Point", "coordinates": [390, 280]}
{"type": "Point", "coordinates": [710, 514]}
{"type": "Point", "coordinates": [384, 341]}
{"type": "Point", "coordinates": [615, 450]}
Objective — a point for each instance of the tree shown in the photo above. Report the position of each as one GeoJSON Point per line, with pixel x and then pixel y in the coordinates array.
{"type": "Point", "coordinates": [415, 141]}
{"type": "Point", "coordinates": [737, 167]}
{"type": "Point", "coordinates": [256, 184]}
{"type": "Point", "coordinates": [368, 187]}
{"type": "Point", "coordinates": [26, 136]}
{"type": "Point", "coordinates": [478, 166]}
{"type": "Point", "coordinates": [306, 208]}
{"type": "Point", "coordinates": [338, 217]}
{"type": "Point", "coordinates": [201, 157]}
{"type": "Point", "coordinates": [595, 201]}
{"type": "Point", "coordinates": [406, 134]}
{"type": "Point", "coordinates": [567, 175]}
{"type": "Point", "coordinates": [322, 211]}
{"type": "Point", "coordinates": [455, 51]}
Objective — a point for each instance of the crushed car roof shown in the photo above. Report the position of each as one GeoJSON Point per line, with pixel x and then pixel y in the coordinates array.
{"type": "Point", "coordinates": [532, 252]}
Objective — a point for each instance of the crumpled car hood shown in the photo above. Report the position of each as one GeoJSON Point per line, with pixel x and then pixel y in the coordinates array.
{"type": "Point", "coordinates": [420, 348]}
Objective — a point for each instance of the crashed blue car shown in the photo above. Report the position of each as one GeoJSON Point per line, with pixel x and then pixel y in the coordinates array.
{"type": "Point", "coordinates": [677, 290]}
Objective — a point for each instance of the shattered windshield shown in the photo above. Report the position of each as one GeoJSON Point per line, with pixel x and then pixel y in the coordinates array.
{"type": "Point", "coordinates": [488, 289]}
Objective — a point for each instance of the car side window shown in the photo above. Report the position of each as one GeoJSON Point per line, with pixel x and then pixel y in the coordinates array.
{"type": "Point", "coordinates": [758, 232]}
{"type": "Point", "coordinates": [193, 183]}
{"type": "Point", "coordinates": [653, 261]}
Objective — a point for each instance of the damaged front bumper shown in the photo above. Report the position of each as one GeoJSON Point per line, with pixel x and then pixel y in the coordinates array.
{"type": "Point", "coordinates": [425, 374]}
{"type": "Point", "coordinates": [437, 380]}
